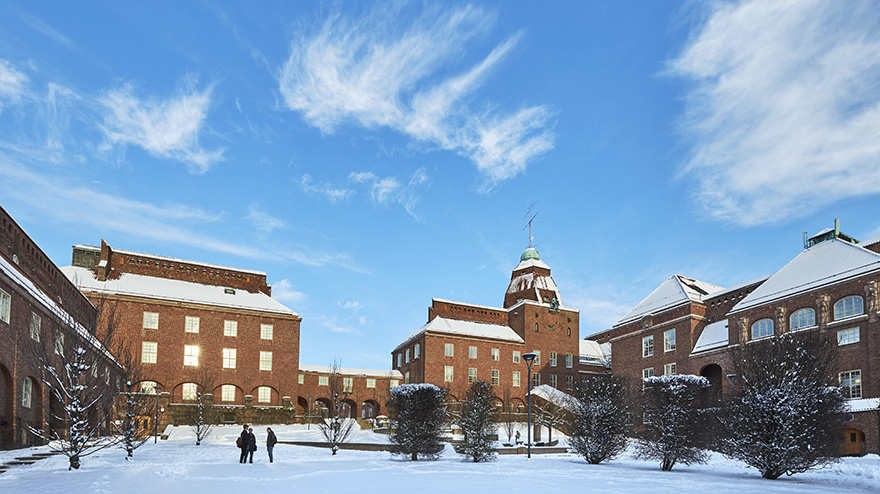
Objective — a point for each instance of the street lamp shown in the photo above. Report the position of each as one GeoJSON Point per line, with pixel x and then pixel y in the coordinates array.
{"type": "Point", "coordinates": [156, 388]}
{"type": "Point", "coordinates": [309, 417]}
{"type": "Point", "coordinates": [529, 358]}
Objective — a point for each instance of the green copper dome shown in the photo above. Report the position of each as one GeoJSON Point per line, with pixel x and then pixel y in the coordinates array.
{"type": "Point", "coordinates": [530, 253]}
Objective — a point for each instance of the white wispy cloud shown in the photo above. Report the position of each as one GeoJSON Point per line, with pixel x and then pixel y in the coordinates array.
{"type": "Point", "coordinates": [12, 82]}
{"type": "Point", "coordinates": [332, 324]}
{"type": "Point", "coordinates": [378, 70]}
{"type": "Point", "coordinates": [387, 190]}
{"type": "Point", "coordinates": [333, 194]}
{"type": "Point", "coordinates": [349, 304]}
{"type": "Point", "coordinates": [166, 128]}
{"type": "Point", "coordinates": [282, 290]}
{"type": "Point", "coordinates": [264, 221]}
{"type": "Point", "coordinates": [783, 109]}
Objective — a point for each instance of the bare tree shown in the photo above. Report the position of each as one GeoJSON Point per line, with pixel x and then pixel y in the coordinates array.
{"type": "Point", "coordinates": [337, 426]}
{"type": "Point", "coordinates": [552, 416]}
{"type": "Point", "coordinates": [506, 417]}
{"type": "Point", "coordinates": [200, 415]}
{"type": "Point", "coordinates": [132, 404]}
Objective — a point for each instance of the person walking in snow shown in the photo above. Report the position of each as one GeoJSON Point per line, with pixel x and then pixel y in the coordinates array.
{"type": "Point", "coordinates": [251, 444]}
{"type": "Point", "coordinates": [270, 442]}
{"type": "Point", "coordinates": [243, 444]}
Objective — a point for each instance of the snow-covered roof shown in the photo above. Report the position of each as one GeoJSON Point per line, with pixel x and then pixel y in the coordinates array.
{"type": "Point", "coordinates": [528, 263]}
{"type": "Point", "coordinates": [822, 264]}
{"type": "Point", "coordinates": [554, 396]}
{"type": "Point", "coordinates": [171, 259]}
{"type": "Point", "coordinates": [49, 304]}
{"type": "Point", "coordinates": [863, 405]}
{"type": "Point", "coordinates": [594, 352]}
{"type": "Point", "coordinates": [738, 287]}
{"type": "Point", "coordinates": [529, 281]}
{"type": "Point", "coordinates": [466, 328]}
{"type": "Point", "coordinates": [715, 335]}
{"type": "Point", "coordinates": [176, 290]}
{"type": "Point", "coordinates": [674, 291]}
{"type": "Point", "coordinates": [870, 241]}
{"type": "Point", "coordinates": [324, 369]}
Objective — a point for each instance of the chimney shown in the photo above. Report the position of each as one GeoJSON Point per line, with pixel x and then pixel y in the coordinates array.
{"type": "Point", "coordinates": [836, 227]}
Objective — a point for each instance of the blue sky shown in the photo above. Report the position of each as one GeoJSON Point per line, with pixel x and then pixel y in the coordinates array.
{"type": "Point", "coordinates": [369, 157]}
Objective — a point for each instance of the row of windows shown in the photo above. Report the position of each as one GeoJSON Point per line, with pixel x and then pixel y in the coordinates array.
{"type": "Point", "coordinates": [669, 369]}
{"type": "Point", "coordinates": [150, 353]}
{"type": "Point", "coordinates": [190, 391]}
{"type": "Point", "coordinates": [348, 382]}
{"type": "Point", "coordinates": [191, 325]}
{"type": "Point", "coordinates": [495, 354]}
{"type": "Point", "coordinates": [668, 343]}
{"type": "Point", "coordinates": [844, 308]}
{"type": "Point", "coordinates": [415, 354]}
{"type": "Point", "coordinates": [495, 377]}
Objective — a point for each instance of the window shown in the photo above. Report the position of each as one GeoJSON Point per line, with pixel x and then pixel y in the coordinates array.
{"type": "Point", "coordinates": [59, 342]}
{"type": "Point", "coordinates": [472, 375]}
{"type": "Point", "coordinates": [189, 391]}
{"type": "Point", "coordinates": [646, 373]}
{"type": "Point", "coordinates": [472, 352]}
{"type": "Point", "coordinates": [406, 377]}
{"type": "Point", "coordinates": [36, 324]}
{"type": "Point", "coordinates": [847, 336]}
{"type": "Point", "coordinates": [264, 394]}
{"type": "Point", "coordinates": [230, 328]}
{"type": "Point", "coordinates": [553, 381]}
{"type": "Point", "coordinates": [762, 329]}
{"type": "Point", "coordinates": [669, 369]}
{"type": "Point", "coordinates": [191, 325]}
{"type": "Point", "coordinates": [496, 376]}
{"type": "Point", "coordinates": [265, 361]}
{"type": "Point", "coordinates": [569, 360]}
{"type": "Point", "coordinates": [448, 374]}
{"type": "Point", "coordinates": [266, 331]}
{"type": "Point", "coordinates": [323, 381]}
{"type": "Point", "coordinates": [449, 350]}
{"type": "Point", "coordinates": [536, 327]}
{"type": "Point", "coordinates": [516, 379]}
{"type": "Point", "coordinates": [669, 340]}
{"type": "Point", "coordinates": [151, 320]}
{"type": "Point", "coordinates": [301, 379]}
{"type": "Point", "coordinates": [227, 392]}
{"type": "Point", "coordinates": [148, 387]}
{"type": "Point", "coordinates": [536, 380]}
{"type": "Point", "coordinates": [495, 354]}
{"type": "Point", "coordinates": [552, 359]}
{"type": "Point", "coordinates": [347, 384]}
{"type": "Point", "coordinates": [5, 301]}
{"type": "Point", "coordinates": [27, 388]}
{"type": "Point", "coordinates": [851, 382]}
{"type": "Point", "coordinates": [802, 318]}
{"type": "Point", "coordinates": [393, 383]}
{"type": "Point", "coordinates": [537, 357]}
{"type": "Point", "coordinates": [407, 356]}
{"type": "Point", "coordinates": [371, 383]}
{"type": "Point", "coordinates": [647, 346]}
{"type": "Point", "coordinates": [229, 357]}
{"type": "Point", "coordinates": [149, 351]}
{"type": "Point", "coordinates": [569, 382]}
{"type": "Point", "coordinates": [191, 355]}
{"type": "Point", "coordinates": [416, 351]}
{"type": "Point", "coordinates": [400, 360]}
{"type": "Point", "coordinates": [848, 307]}
{"type": "Point", "coordinates": [516, 356]}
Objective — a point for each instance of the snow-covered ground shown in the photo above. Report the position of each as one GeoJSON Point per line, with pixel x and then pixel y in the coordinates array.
{"type": "Point", "coordinates": [179, 466]}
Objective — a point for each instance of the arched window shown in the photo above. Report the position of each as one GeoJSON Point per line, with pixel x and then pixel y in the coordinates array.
{"type": "Point", "coordinates": [27, 389]}
{"type": "Point", "coordinates": [803, 318]}
{"type": "Point", "coordinates": [762, 328]}
{"type": "Point", "coordinates": [848, 307]}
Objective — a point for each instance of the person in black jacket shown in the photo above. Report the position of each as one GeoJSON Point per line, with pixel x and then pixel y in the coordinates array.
{"type": "Point", "coordinates": [270, 442]}
{"type": "Point", "coordinates": [251, 443]}
{"type": "Point", "coordinates": [244, 444]}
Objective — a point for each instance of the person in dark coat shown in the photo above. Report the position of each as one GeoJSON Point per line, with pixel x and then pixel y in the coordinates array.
{"type": "Point", "coordinates": [244, 444]}
{"type": "Point", "coordinates": [251, 444]}
{"type": "Point", "coordinates": [270, 442]}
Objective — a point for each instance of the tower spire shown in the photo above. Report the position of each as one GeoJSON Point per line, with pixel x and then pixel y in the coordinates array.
{"type": "Point", "coordinates": [529, 224]}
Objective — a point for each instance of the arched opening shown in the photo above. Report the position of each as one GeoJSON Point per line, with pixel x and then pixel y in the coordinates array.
{"type": "Point", "coordinates": [302, 406]}
{"type": "Point", "coordinates": [348, 409]}
{"type": "Point", "coordinates": [322, 407]}
{"type": "Point", "coordinates": [6, 401]}
{"type": "Point", "coordinates": [711, 396]}
{"type": "Point", "coordinates": [852, 442]}
{"type": "Point", "coordinates": [369, 409]}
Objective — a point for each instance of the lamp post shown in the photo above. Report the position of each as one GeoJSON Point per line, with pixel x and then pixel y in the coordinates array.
{"type": "Point", "coordinates": [309, 418]}
{"type": "Point", "coordinates": [529, 358]}
{"type": "Point", "coordinates": [156, 388]}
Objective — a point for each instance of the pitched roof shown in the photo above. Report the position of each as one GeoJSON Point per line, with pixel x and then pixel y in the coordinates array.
{"type": "Point", "coordinates": [715, 335]}
{"type": "Point", "coordinates": [592, 352]}
{"type": "Point", "coordinates": [176, 290]}
{"type": "Point", "coordinates": [825, 263]}
{"type": "Point", "coordinates": [674, 291]}
{"type": "Point", "coordinates": [465, 328]}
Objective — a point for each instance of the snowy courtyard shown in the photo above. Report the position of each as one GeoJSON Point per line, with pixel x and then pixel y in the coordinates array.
{"type": "Point", "coordinates": [177, 465]}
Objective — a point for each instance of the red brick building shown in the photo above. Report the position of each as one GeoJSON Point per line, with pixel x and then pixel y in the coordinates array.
{"type": "Point", "coordinates": [464, 342]}
{"type": "Point", "coordinates": [688, 327]}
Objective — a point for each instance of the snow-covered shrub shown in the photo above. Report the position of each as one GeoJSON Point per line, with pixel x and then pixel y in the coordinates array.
{"type": "Point", "coordinates": [784, 414]}
{"type": "Point", "coordinates": [477, 421]}
{"type": "Point", "coordinates": [598, 428]}
{"type": "Point", "coordinates": [673, 430]}
{"type": "Point", "coordinates": [419, 414]}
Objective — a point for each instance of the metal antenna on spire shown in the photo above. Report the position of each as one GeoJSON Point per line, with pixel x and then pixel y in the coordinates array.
{"type": "Point", "coordinates": [529, 224]}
